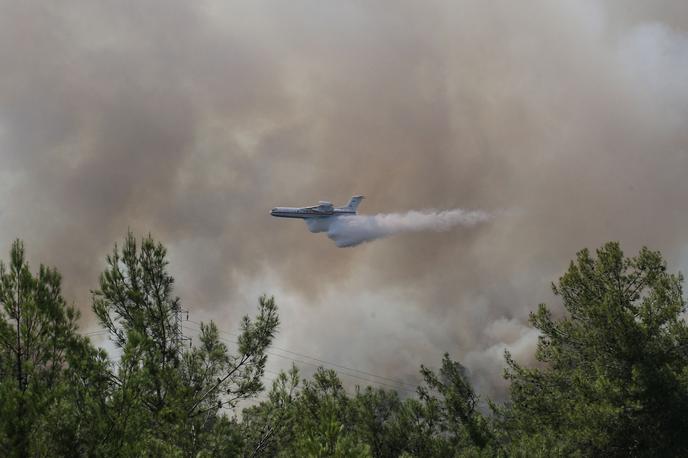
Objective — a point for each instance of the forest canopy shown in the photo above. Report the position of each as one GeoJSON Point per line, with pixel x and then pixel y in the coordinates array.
{"type": "Point", "coordinates": [611, 377]}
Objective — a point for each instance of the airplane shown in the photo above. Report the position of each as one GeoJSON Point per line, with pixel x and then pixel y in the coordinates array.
{"type": "Point", "coordinates": [322, 210]}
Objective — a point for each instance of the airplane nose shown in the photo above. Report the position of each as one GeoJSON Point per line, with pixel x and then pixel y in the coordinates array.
{"type": "Point", "coordinates": [272, 212]}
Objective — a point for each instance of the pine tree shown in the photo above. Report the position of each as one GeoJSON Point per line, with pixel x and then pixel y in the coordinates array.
{"type": "Point", "coordinates": [39, 353]}
{"type": "Point", "coordinates": [170, 399]}
{"type": "Point", "coordinates": [613, 373]}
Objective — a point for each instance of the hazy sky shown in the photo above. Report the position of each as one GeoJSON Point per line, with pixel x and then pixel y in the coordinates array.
{"type": "Point", "coordinates": [190, 120]}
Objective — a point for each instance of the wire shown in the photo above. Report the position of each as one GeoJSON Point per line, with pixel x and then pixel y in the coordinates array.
{"type": "Point", "coordinates": [340, 366]}
{"type": "Point", "coordinates": [399, 386]}
{"type": "Point", "coordinates": [395, 384]}
{"type": "Point", "coordinates": [96, 333]}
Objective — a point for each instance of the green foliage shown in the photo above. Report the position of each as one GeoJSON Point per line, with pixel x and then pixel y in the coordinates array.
{"type": "Point", "coordinates": [40, 355]}
{"type": "Point", "coordinates": [62, 397]}
{"type": "Point", "coordinates": [321, 419]}
{"type": "Point", "coordinates": [611, 377]}
{"type": "Point", "coordinates": [170, 400]}
{"type": "Point", "coordinates": [612, 380]}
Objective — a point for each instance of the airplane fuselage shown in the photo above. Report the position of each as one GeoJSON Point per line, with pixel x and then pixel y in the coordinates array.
{"type": "Point", "coordinates": [322, 210]}
{"type": "Point", "coordinates": [306, 212]}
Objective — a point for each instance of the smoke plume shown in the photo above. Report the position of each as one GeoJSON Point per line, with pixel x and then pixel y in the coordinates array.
{"type": "Point", "coordinates": [191, 119]}
{"type": "Point", "coordinates": [348, 231]}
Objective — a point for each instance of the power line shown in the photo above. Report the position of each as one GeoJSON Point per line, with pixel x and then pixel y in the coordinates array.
{"type": "Point", "coordinates": [268, 379]}
{"type": "Point", "coordinates": [395, 384]}
{"type": "Point", "coordinates": [340, 366]}
{"type": "Point", "coordinates": [399, 387]}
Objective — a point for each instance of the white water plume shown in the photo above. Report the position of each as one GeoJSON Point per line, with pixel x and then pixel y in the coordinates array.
{"type": "Point", "coordinates": [347, 231]}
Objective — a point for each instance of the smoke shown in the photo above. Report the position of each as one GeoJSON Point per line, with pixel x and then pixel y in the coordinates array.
{"type": "Point", "coordinates": [189, 120]}
{"type": "Point", "coordinates": [348, 231]}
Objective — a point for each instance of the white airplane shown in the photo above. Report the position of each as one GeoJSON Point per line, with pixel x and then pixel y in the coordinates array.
{"type": "Point", "coordinates": [322, 210]}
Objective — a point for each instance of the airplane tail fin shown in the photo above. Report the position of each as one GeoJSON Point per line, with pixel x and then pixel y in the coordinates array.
{"type": "Point", "coordinates": [354, 202]}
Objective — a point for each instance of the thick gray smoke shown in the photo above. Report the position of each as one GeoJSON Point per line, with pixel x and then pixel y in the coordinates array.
{"type": "Point", "coordinates": [191, 119]}
{"type": "Point", "coordinates": [348, 231]}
